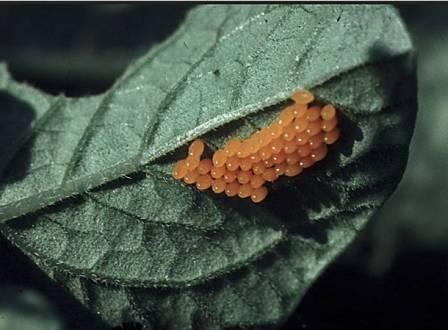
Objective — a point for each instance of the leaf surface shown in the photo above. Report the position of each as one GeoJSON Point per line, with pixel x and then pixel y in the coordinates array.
{"type": "Point", "coordinates": [178, 258]}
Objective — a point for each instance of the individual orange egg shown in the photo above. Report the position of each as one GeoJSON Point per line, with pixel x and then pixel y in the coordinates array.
{"type": "Point", "coordinates": [255, 142]}
{"type": "Point", "coordinates": [276, 130]}
{"type": "Point", "coordinates": [246, 164]}
{"type": "Point", "coordinates": [217, 172]}
{"type": "Point", "coordinates": [319, 153]}
{"type": "Point", "coordinates": [203, 182]}
{"type": "Point", "coordinates": [219, 158]}
{"type": "Point", "coordinates": [293, 170]}
{"type": "Point", "coordinates": [268, 162]}
{"type": "Point", "coordinates": [196, 148]}
{"type": "Point", "coordinates": [192, 162]}
{"type": "Point", "coordinates": [180, 169]}
{"type": "Point", "coordinates": [255, 158]}
{"type": "Point", "coordinates": [303, 97]}
{"type": "Point", "coordinates": [277, 145]}
{"type": "Point", "coordinates": [302, 138]}
{"type": "Point", "coordinates": [265, 152]}
{"type": "Point", "coordinates": [244, 176]}
{"type": "Point", "coordinates": [230, 176]}
{"type": "Point", "coordinates": [316, 141]}
{"type": "Point", "coordinates": [313, 113]}
{"type": "Point", "coordinates": [232, 189]}
{"type": "Point", "coordinates": [306, 162]}
{"type": "Point", "coordinates": [231, 147]}
{"type": "Point", "coordinates": [329, 125]}
{"type": "Point", "coordinates": [191, 177]}
{"type": "Point", "coordinates": [258, 168]}
{"type": "Point", "coordinates": [332, 136]}
{"type": "Point", "coordinates": [289, 133]}
{"type": "Point", "coordinates": [266, 136]}
{"type": "Point", "coordinates": [300, 124]}
{"type": "Point", "coordinates": [257, 181]}
{"type": "Point", "coordinates": [218, 186]}
{"type": "Point", "coordinates": [328, 112]}
{"type": "Point", "coordinates": [270, 175]}
{"type": "Point", "coordinates": [244, 150]}
{"type": "Point", "coordinates": [245, 190]}
{"type": "Point", "coordinates": [300, 110]}
{"type": "Point", "coordinates": [286, 116]}
{"type": "Point", "coordinates": [279, 158]}
{"type": "Point", "coordinates": [204, 167]}
{"type": "Point", "coordinates": [259, 194]}
{"type": "Point", "coordinates": [292, 159]}
{"type": "Point", "coordinates": [303, 151]}
{"type": "Point", "coordinates": [313, 127]}
{"type": "Point", "coordinates": [233, 163]}
{"type": "Point", "coordinates": [280, 169]}
{"type": "Point", "coordinates": [290, 147]}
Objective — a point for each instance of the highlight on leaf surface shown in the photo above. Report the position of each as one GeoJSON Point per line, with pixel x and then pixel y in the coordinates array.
{"type": "Point", "coordinates": [267, 148]}
{"type": "Point", "coordinates": [93, 194]}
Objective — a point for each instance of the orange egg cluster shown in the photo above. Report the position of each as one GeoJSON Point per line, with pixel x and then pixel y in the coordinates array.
{"type": "Point", "coordinates": [296, 140]}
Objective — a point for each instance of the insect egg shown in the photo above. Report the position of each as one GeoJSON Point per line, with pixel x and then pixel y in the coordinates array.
{"type": "Point", "coordinates": [303, 97]}
{"type": "Point", "coordinates": [192, 162]}
{"type": "Point", "coordinates": [180, 170]}
{"type": "Point", "coordinates": [293, 170]}
{"type": "Point", "coordinates": [233, 163]}
{"type": "Point", "coordinates": [319, 153]}
{"type": "Point", "coordinates": [313, 113]}
{"type": "Point", "coordinates": [244, 177]}
{"type": "Point", "coordinates": [277, 145]}
{"type": "Point", "coordinates": [328, 112]}
{"type": "Point", "coordinates": [204, 166]}
{"type": "Point", "coordinates": [218, 185]}
{"type": "Point", "coordinates": [316, 141]}
{"type": "Point", "coordinates": [270, 175]}
{"type": "Point", "coordinates": [246, 164]}
{"type": "Point", "coordinates": [292, 159]}
{"type": "Point", "coordinates": [330, 124]}
{"type": "Point", "coordinates": [289, 133]}
{"type": "Point", "coordinates": [295, 140]}
{"type": "Point", "coordinates": [203, 182]}
{"type": "Point", "coordinates": [196, 148]}
{"type": "Point", "coordinates": [280, 169]}
{"type": "Point", "coordinates": [232, 189]}
{"type": "Point", "coordinates": [258, 168]}
{"type": "Point", "coordinates": [306, 162]}
{"type": "Point", "coordinates": [303, 151]}
{"type": "Point", "coordinates": [191, 177]}
{"type": "Point", "coordinates": [313, 127]}
{"type": "Point", "coordinates": [300, 124]}
{"type": "Point", "coordinates": [245, 190]}
{"type": "Point", "coordinates": [232, 147]}
{"type": "Point", "coordinates": [257, 181]}
{"type": "Point", "coordinates": [219, 158]}
{"type": "Point", "coordinates": [332, 136]}
{"type": "Point", "coordinates": [259, 194]}
{"type": "Point", "coordinates": [230, 176]}
{"type": "Point", "coordinates": [290, 147]}
{"type": "Point", "coordinates": [217, 172]}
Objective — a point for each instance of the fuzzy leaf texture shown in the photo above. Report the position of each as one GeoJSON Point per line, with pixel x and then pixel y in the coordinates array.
{"type": "Point", "coordinates": [133, 244]}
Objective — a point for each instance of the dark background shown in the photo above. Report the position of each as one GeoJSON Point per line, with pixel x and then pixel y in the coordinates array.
{"type": "Point", "coordinates": [393, 276]}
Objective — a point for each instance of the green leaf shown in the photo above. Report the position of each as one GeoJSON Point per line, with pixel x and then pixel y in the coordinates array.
{"type": "Point", "coordinates": [178, 258]}
{"type": "Point", "coordinates": [210, 72]}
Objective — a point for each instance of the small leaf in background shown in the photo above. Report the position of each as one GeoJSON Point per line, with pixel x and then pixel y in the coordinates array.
{"type": "Point", "coordinates": [133, 244]}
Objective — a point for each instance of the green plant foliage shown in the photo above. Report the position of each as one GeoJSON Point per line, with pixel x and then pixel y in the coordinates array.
{"type": "Point", "coordinates": [134, 244]}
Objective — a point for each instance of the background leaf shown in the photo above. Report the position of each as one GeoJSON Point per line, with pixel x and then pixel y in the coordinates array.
{"type": "Point", "coordinates": [248, 265]}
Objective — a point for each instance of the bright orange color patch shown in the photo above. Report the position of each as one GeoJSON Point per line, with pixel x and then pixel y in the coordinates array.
{"type": "Point", "coordinates": [296, 140]}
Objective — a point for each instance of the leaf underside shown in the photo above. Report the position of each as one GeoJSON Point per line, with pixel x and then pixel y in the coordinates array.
{"type": "Point", "coordinates": [88, 180]}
